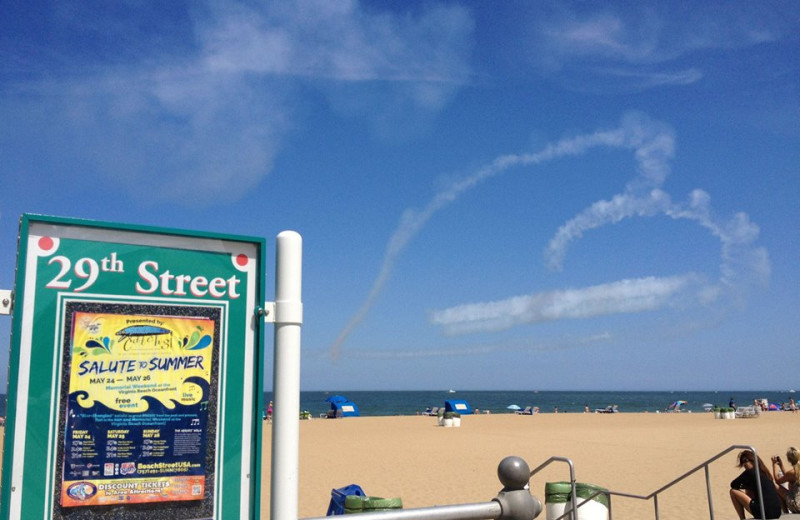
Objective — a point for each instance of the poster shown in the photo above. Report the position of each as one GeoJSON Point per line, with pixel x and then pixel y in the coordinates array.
{"type": "Point", "coordinates": [137, 408]}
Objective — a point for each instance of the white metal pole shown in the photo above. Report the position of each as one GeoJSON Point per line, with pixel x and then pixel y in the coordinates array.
{"type": "Point", "coordinates": [286, 377]}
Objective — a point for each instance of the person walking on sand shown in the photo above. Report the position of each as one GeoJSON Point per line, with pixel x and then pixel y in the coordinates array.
{"type": "Point", "coordinates": [744, 491]}
{"type": "Point", "coordinates": [791, 476]}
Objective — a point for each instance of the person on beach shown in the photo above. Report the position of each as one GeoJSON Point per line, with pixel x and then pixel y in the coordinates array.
{"type": "Point", "coordinates": [791, 476]}
{"type": "Point", "coordinates": [744, 493]}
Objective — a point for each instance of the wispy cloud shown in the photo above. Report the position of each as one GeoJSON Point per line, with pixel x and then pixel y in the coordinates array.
{"type": "Point", "coordinates": [568, 342]}
{"type": "Point", "coordinates": [650, 33]}
{"type": "Point", "coordinates": [644, 79]}
{"type": "Point", "coordinates": [636, 47]}
{"type": "Point", "coordinates": [339, 41]}
{"type": "Point", "coordinates": [177, 127]}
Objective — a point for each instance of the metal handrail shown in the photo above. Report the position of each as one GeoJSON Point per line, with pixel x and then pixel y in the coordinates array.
{"type": "Point", "coordinates": [573, 495]}
{"type": "Point", "coordinates": [480, 511]}
{"type": "Point", "coordinates": [654, 495]}
{"type": "Point", "coordinates": [513, 502]}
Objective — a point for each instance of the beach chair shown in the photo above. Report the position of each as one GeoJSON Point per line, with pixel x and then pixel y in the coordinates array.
{"type": "Point", "coordinates": [528, 410]}
{"type": "Point", "coordinates": [431, 411]}
{"type": "Point", "coordinates": [747, 412]}
{"type": "Point", "coordinates": [338, 497]}
{"type": "Point", "coordinates": [608, 409]}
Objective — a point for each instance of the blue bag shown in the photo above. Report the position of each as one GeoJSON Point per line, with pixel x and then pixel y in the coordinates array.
{"type": "Point", "coordinates": [336, 507]}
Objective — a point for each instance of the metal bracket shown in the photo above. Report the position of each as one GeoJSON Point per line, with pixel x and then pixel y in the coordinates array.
{"type": "Point", "coordinates": [268, 312]}
{"type": "Point", "coordinates": [6, 301]}
{"type": "Point", "coordinates": [282, 312]}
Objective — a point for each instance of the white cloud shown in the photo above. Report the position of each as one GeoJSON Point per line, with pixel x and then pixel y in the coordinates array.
{"type": "Point", "coordinates": [530, 344]}
{"type": "Point", "coordinates": [602, 47]}
{"type": "Point", "coordinates": [601, 34]}
{"type": "Point", "coordinates": [649, 33]}
{"type": "Point", "coordinates": [644, 79]}
{"type": "Point", "coordinates": [205, 124]}
{"type": "Point", "coordinates": [340, 41]}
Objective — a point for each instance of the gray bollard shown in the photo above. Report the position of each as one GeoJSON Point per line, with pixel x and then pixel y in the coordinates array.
{"type": "Point", "coordinates": [515, 499]}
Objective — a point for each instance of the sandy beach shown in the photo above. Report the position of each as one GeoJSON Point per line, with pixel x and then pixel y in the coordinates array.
{"type": "Point", "coordinates": [426, 465]}
{"type": "Point", "coordinates": [413, 458]}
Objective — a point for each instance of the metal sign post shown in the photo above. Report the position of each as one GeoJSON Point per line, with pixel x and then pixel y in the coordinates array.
{"type": "Point", "coordinates": [287, 314]}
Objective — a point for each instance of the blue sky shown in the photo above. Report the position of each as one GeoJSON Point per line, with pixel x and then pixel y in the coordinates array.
{"type": "Point", "coordinates": [492, 195]}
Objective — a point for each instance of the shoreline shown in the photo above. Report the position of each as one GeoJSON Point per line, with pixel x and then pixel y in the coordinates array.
{"type": "Point", "coordinates": [391, 403]}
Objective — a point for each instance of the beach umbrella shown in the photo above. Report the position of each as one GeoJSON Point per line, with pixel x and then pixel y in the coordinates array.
{"type": "Point", "coordinates": [513, 407]}
{"type": "Point", "coordinates": [336, 399]}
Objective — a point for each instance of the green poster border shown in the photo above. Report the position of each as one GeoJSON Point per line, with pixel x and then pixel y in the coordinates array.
{"type": "Point", "coordinates": [185, 239]}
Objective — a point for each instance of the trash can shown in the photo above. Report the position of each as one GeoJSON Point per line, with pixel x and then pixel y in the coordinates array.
{"type": "Point", "coordinates": [448, 419]}
{"type": "Point", "coordinates": [558, 500]}
{"type": "Point", "coordinates": [556, 495]}
{"type": "Point", "coordinates": [358, 504]}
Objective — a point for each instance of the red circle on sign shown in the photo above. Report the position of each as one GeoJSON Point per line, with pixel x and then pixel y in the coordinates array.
{"type": "Point", "coordinates": [242, 260]}
{"type": "Point", "coordinates": [45, 243]}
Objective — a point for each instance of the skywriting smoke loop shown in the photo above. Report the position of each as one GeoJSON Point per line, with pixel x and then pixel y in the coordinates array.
{"type": "Point", "coordinates": [653, 146]}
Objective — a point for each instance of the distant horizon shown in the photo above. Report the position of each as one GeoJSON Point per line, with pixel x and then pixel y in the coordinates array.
{"type": "Point", "coordinates": [546, 390]}
{"type": "Point", "coordinates": [342, 390]}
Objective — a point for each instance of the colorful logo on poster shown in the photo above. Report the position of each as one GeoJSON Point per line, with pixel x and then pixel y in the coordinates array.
{"type": "Point", "coordinates": [120, 359]}
{"type": "Point", "coordinates": [82, 491]}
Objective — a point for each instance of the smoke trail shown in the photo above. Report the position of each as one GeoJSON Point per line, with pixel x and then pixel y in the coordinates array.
{"type": "Point", "coordinates": [636, 132]}
{"type": "Point", "coordinates": [624, 296]}
{"type": "Point", "coordinates": [654, 146]}
{"type": "Point", "coordinates": [742, 263]}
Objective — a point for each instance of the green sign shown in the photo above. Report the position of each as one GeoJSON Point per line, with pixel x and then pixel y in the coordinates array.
{"type": "Point", "coordinates": [135, 361]}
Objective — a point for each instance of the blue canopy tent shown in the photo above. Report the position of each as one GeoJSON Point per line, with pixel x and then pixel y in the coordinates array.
{"type": "Point", "coordinates": [341, 407]}
{"type": "Point", "coordinates": [336, 399]}
{"type": "Point", "coordinates": [344, 409]}
{"type": "Point", "coordinates": [457, 405]}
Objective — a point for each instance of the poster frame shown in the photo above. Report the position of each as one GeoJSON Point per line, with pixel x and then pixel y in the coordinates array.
{"type": "Point", "coordinates": [30, 399]}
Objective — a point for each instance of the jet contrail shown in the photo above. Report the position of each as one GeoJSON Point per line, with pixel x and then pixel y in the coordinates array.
{"type": "Point", "coordinates": [741, 262]}
{"type": "Point", "coordinates": [635, 132]}
{"type": "Point", "coordinates": [624, 296]}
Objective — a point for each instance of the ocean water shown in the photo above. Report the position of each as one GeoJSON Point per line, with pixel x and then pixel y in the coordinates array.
{"type": "Point", "coordinates": [383, 403]}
